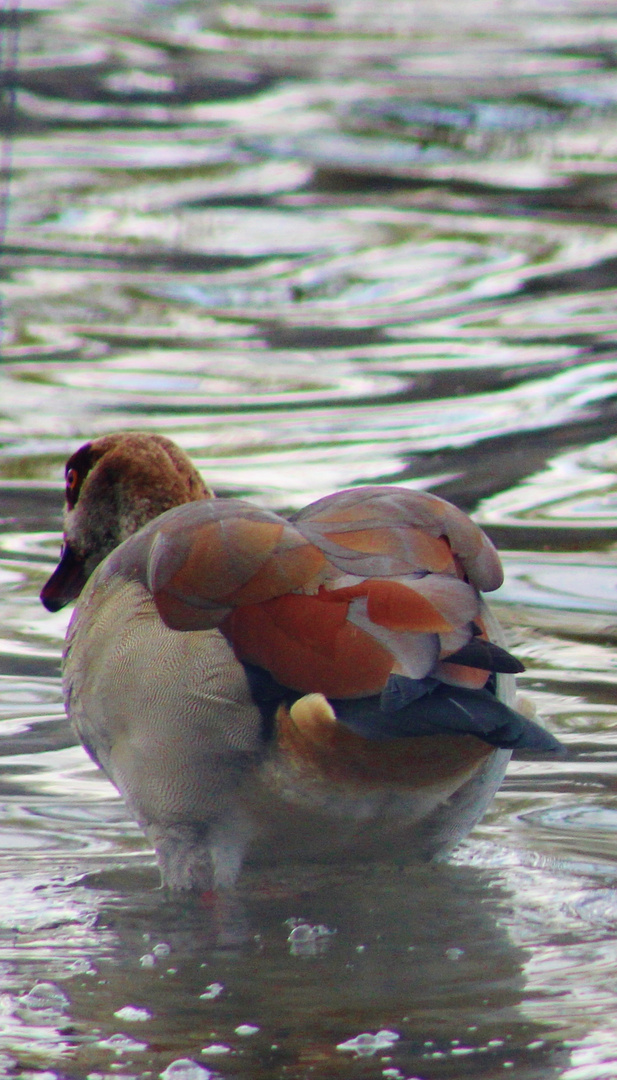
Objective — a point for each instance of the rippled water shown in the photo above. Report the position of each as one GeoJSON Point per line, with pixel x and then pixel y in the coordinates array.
{"type": "Point", "coordinates": [318, 243]}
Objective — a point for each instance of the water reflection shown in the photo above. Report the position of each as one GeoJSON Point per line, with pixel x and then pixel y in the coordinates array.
{"type": "Point", "coordinates": [168, 980]}
{"type": "Point", "coordinates": [317, 244]}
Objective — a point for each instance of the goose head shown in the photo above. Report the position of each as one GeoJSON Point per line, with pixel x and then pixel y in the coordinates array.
{"type": "Point", "coordinates": [114, 486]}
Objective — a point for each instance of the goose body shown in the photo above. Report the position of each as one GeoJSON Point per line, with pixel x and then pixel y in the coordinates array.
{"type": "Point", "coordinates": [326, 687]}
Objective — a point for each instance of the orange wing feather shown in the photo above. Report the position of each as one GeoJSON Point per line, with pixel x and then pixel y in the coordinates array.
{"type": "Point", "coordinates": [432, 553]}
{"type": "Point", "coordinates": [309, 645]}
{"type": "Point", "coordinates": [358, 585]}
{"type": "Point", "coordinates": [206, 558]}
{"type": "Point", "coordinates": [417, 523]}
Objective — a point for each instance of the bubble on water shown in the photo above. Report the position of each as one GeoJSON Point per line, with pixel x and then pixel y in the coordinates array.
{"type": "Point", "coordinates": [307, 940]}
{"type": "Point", "coordinates": [82, 966]}
{"type": "Point", "coordinates": [32, 1074]}
{"type": "Point", "coordinates": [454, 954]}
{"type": "Point", "coordinates": [216, 1048]}
{"type": "Point", "coordinates": [212, 991]}
{"type": "Point", "coordinates": [162, 949]}
{"type": "Point", "coordinates": [246, 1029]}
{"type": "Point", "coordinates": [122, 1044]}
{"type": "Point", "coordinates": [132, 1012]}
{"type": "Point", "coordinates": [185, 1069]}
{"type": "Point", "coordinates": [365, 1045]}
{"type": "Point", "coordinates": [45, 997]}
{"type": "Point", "coordinates": [113, 1076]}
{"type": "Point", "coordinates": [148, 960]}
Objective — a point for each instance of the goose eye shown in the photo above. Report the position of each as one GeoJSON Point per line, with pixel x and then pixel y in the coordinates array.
{"type": "Point", "coordinates": [72, 485]}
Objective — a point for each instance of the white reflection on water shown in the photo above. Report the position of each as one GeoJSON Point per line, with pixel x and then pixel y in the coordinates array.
{"type": "Point", "coordinates": [319, 245]}
{"type": "Point", "coordinates": [566, 582]}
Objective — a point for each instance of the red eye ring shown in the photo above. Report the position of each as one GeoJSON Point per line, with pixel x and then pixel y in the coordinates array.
{"type": "Point", "coordinates": [72, 478]}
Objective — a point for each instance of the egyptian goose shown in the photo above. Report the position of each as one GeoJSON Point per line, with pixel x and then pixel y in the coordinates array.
{"type": "Point", "coordinates": [326, 687]}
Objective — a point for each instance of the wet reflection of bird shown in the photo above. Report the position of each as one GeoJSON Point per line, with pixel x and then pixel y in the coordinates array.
{"type": "Point", "coordinates": [323, 687]}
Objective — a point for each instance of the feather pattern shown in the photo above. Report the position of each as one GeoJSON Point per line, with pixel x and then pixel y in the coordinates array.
{"type": "Point", "coordinates": [335, 617]}
{"type": "Point", "coordinates": [409, 531]}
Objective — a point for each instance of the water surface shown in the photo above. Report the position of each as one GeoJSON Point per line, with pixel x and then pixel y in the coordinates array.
{"type": "Point", "coordinates": [318, 243]}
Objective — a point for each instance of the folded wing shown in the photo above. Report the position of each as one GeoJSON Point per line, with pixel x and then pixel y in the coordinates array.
{"type": "Point", "coordinates": [356, 587]}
